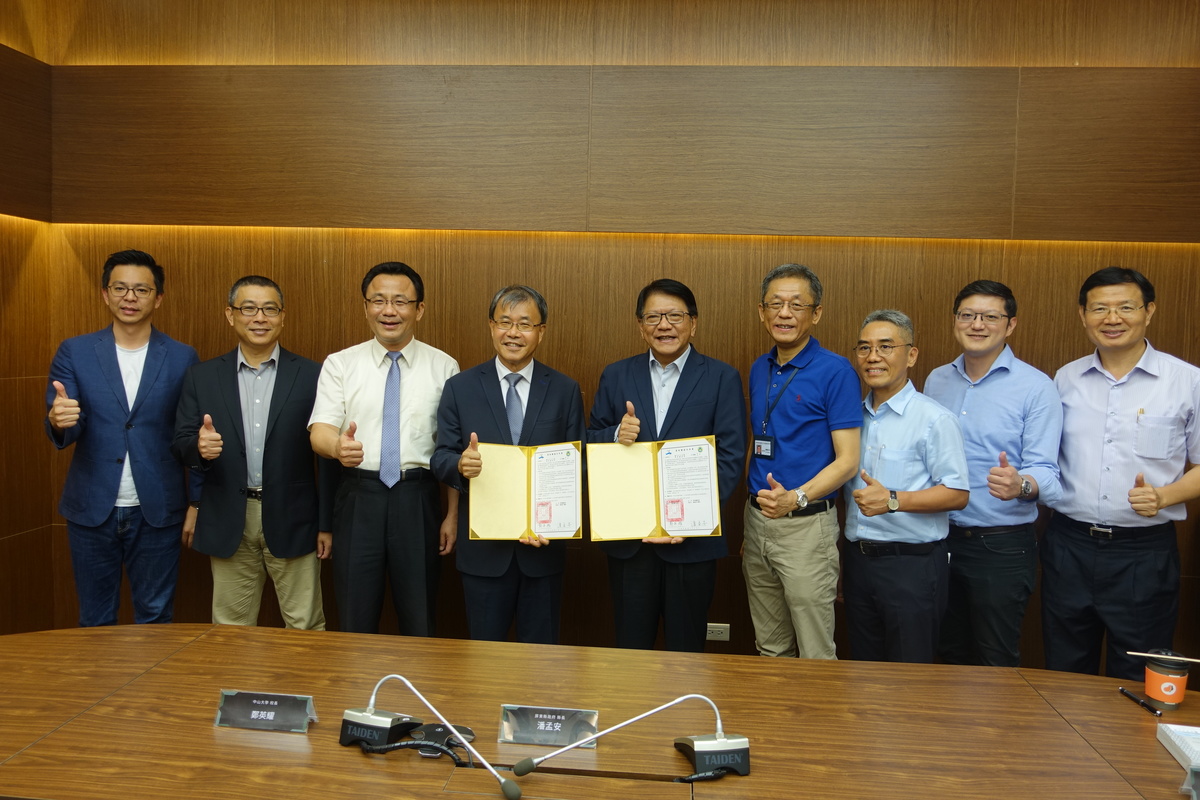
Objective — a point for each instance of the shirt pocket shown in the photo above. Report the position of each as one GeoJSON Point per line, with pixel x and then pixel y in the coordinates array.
{"type": "Point", "coordinates": [895, 468]}
{"type": "Point", "coordinates": [1157, 437]}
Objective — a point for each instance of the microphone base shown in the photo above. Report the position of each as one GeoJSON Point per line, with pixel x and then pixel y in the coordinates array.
{"type": "Point", "coordinates": [375, 727]}
{"type": "Point", "coordinates": [708, 752]}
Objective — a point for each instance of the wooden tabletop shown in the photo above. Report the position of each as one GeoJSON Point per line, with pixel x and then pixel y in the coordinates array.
{"type": "Point", "coordinates": [128, 713]}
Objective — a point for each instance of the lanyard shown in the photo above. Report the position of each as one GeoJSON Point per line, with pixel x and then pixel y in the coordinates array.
{"type": "Point", "coordinates": [778, 397]}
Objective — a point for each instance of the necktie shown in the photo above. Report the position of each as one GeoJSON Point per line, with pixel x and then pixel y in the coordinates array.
{"type": "Point", "coordinates": [389, 451]}
{"type": "Point", "coordinates": [512, 406]}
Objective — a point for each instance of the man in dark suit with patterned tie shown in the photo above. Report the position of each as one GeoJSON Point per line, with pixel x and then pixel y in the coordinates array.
{"type": "Point", "coordinates": [510, 399]}
{"type": "Point", "coordinates": [672, 392]}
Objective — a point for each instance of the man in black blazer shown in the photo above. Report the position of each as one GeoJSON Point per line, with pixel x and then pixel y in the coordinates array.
{"type": "Point", "coordinates": [672, 392]}
{"type": "Point", "coordinates": [510, 399]}
{"type": "Point", "coordinates": [261, 507]}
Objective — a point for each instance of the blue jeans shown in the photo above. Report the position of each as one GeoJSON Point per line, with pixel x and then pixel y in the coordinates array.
{"type": "Point", "coordinates": [150, 556]}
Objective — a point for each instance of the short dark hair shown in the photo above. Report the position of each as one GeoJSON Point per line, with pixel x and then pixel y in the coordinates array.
{"type": "Point", "coordinates": [254, 280]}
{"type": "Point", "coordinates": [1114, 276]}
{"type": "Point", "coordinates": [517, 293]}
{"type": "Point", "coordinates": [132, 258]}
{"type": "Point", "coordinates": [793, 271]}
{"type": "Point", "coordinates": [670, 287]}
{"type": "Point", "coordinates": [990, 289]}
{"type": "Point", "coordinates": [395, 268]}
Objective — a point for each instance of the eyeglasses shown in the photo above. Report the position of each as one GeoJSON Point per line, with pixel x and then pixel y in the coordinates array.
{"type": "Point", "coordinates": [884, 350]}
{"type": "Point", "coordinates": [1124, 312]}
{"type": "Point", "coordinates": [121, 290]}
{"type": "Point", "coordinates": [775, 306]}
{"type": "Point", "coordinates": [989, 318]}
{"type": "Point", "coordinates": [250, 311]}
{"type": "Point", "coordinates": [508, 325]}
{"type": "Point", "coordinates": [378, 303]}
{"type": "Point", "coordinates": [675, 318]}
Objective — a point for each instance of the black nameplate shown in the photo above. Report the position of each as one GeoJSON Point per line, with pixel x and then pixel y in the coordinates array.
{"type": "Point", "coordinates": [547, 726]}
{"type": "Point", "coordinates": [265, 711]}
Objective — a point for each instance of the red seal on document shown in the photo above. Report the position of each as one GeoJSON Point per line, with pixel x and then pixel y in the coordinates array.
{"type": "Point", "coordinates": [674, 511]}
{"type": "Point", "coordinates": [545, 512]}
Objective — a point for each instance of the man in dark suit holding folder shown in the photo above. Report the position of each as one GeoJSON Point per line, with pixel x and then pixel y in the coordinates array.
{"type": "Point", "coordinates": [242, 423]}
{"type": "Point", "coordinates": [672, 392]}
{"type": "Point", "coordinates": [510, 399]}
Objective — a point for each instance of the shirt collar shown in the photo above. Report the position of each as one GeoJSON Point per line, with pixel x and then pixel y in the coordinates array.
{"type": "Point", "coordinates": [380, 353]}
{"type": "Point", "coordinates": [272, 359]}
{"type": "Point", "coordinates": [1003, 361]}
{"type": "Point", "coordinates": [525, 372]}
{"type": "Point", "coordinates": [897, 402]}
{"type": "Point", "coordinates": [679, 362]}
{"type": "Point", "coordinates": [1150, 363]}
{"type": "Point", "coordinates": [801, 359]}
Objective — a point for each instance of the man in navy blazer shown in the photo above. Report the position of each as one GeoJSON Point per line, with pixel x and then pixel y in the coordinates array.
{"type": "Point", "coordinates": [510, 399]}
{"type": "Point", "coordinates": [261, 509]}
{"type": "Point", "coordinates": [112, 394]}
{"type": "Point", "coordinates": [672, 392]}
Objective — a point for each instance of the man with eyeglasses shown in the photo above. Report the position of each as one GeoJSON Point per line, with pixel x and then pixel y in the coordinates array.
{"type": "Point", "coordinates": [509, 399]}
{"type": "Point", "coordinates": [1011, 420]}
{"type": "Point", "coordinates": [805, 417]}
{"type": "Point", "coordinates": [671, 392]}
{"type": "Point", "coordinates": [260, 510]}
{"type": "Point", "coordinates": [112, 394]}
{"type": "Point", "coordinates": [913, 473]}
{"type": "Point", "coordinates": [1131, 439]}
{"type": "Point", "coordinates": [376, 414]}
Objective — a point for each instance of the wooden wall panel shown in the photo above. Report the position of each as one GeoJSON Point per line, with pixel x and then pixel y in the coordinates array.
{"type": "Point", "coordinates": [1108, 155]}
{"type": "Point", "coordinates": [888, 152]}
{"type": "Point", "coordinates": [1108, 33]}
{"type": "Point", "coordinates": [24, 136]}
{"type": "Point", "coordinates": [26, 581]}
{"type": "Point", "coordinates": [406, 147]}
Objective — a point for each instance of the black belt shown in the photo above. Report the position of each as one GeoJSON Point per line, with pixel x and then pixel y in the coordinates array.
{"type": "Point", "coordinates": [414, 474]}
{"type": "Point", "coordinates": [873, 549]}
{"type": "Point", "coordinates": [961, 532]}
{"type": "Point", "coordinates": [254, 494]}
{"type": "Point", "coordinates": [1111, 531]}
{"type": "Point", "coordinates": [817, 507]}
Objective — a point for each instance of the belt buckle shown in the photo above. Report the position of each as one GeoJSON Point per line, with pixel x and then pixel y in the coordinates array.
{"type": "Point", "coordinates": [1100, 532]}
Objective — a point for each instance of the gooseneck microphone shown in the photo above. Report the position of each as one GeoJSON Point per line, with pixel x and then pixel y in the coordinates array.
{"type": "Point", "coordinates": [510, 788]}
{"type": "Point", "coordinates": [730, 753]}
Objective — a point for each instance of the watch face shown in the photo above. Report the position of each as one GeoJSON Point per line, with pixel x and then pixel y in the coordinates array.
{"type": "Point", "coordinates": [893, 502]}
{"type": "Point", "coordinates": [801, 500]}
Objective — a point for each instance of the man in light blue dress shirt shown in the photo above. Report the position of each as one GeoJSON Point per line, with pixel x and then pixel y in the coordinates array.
{"type": "Point", "coordinates": [913, 473]}
{"type": "Point", "coordinates": [1011, 421]}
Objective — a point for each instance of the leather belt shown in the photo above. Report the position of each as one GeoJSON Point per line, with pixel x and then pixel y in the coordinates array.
{"type": "Point", "coordinates": [875, 549]}
{"type": "Point", "coordinates": [815, 507]}
{"type": "Point", "coordinates": [962, 532]}
{"type": "Point", "coordinates": [254, 494]}
{"type": "Point", "coordinates": [1111, 531]}
{"type": "Point", "coordinates": [414, 474]}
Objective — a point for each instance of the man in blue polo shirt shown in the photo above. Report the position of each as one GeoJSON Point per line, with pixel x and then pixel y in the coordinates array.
{"type": "Point", "coordinates": [805, 420]}
{"type": "Point", "coordinates": [914, 472]}
{"type": "Point", "coordinates": [1011, 420]}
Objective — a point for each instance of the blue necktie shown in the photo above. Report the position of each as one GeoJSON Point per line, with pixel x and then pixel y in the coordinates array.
{"type": "Point", "coordinates": [389, 451]}
{"type": "Point", "coordinates": [512, 407]}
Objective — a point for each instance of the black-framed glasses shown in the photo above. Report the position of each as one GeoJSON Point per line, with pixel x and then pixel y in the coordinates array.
{"type": "Point", "coordinates": [884, 350]}
{"type": "Point", "coordinates": [674, 317]}
{"type": "Point", "coordinates": [249, 310]}
{"type": "Point", "coordinates": [121, 290]}
{"type": "Point", "coordinates": [988, 317]}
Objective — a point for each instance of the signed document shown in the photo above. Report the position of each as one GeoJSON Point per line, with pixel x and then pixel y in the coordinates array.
{"type": "Point", "coordinates": [527, 491]}
{"type": "Point", "coordinates": [654, 489]}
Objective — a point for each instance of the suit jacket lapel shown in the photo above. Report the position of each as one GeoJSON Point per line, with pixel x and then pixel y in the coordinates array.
{"type": "Point", "coordinates": [285, 378]}
{"type": "Point", "coordinates": [228, 387]}
{"type": "Point", "coordinates": [689, 379]}
{"type": "Point", "coordinates": [156, 355]}
{"type": "Point", "coordinates": [106, 358]}
{"type": "Point", "coordinates": [643, 401]}
{"type": "Point", "coordinates": [537, 395]}
{"type": "Point", "coordinates": [489, 384]}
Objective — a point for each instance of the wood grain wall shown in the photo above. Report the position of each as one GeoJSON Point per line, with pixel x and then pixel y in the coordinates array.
{"type": "Point", "coordinates": [24, 136]}
{"type": "Point", "coordinates": [591, 278]}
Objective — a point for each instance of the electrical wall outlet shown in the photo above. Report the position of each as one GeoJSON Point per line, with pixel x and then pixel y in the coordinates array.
{"type": "Point", "coordinates": [718, 632]}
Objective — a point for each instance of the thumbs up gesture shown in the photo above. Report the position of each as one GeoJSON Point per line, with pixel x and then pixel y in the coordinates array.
{"type": "Point", "coordinates": [64, 412]}
{"type": "Point", "coordinates": [470, 463]}
{"type": "Point", "coordinates": [1146, 500]}
{"type": "Point", "coordinates": [630, 427]}
{"type": "Point", "coordinates": [210, 443]}
{"type": "Point", "coordinates": [349, 452]}
{"type": "Point", "coordinates": [1003, 481]}
{"type": "Point", "coordinates": [775, 500]}
{"type": "Point", "coordinates": [871, 499]}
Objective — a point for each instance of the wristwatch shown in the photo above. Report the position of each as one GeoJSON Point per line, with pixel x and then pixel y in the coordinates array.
{"type": "Point", "coordinates": [1026, 489]}
{"type": "Point", "coordinates": [893, 502]}
{"type": "Point", "coordinates": [801, 500]}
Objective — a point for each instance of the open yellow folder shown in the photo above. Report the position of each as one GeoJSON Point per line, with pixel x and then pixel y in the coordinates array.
{"type": "Point", "coordinates": [654, 489]}
{"type": "Point", "coordinates": [523, 491]}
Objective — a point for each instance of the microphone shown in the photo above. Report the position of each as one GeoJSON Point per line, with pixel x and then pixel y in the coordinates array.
{"type": "Point", "coordinates": [731, 752]}
{"type": "Point", "coordinates": [509, 787]}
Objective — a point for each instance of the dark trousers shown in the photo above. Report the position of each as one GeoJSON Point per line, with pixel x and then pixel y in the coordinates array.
{"type": "Point", "coordinates": [493, 604]}
{"type": "Point", "coordinates": [895, 603]}
{"type": "Point", "coordinates": [645, 588]}
{"type": "Point", "coordinates": [1125, 589]}
{"type": "Point", "coordinates": [383, 536]}
{"type": "Point", "coordinates": [991, 579]}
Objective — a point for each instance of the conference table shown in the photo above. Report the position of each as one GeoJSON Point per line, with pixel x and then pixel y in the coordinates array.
{"type": "Point", "coordinates": [128, 713]}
